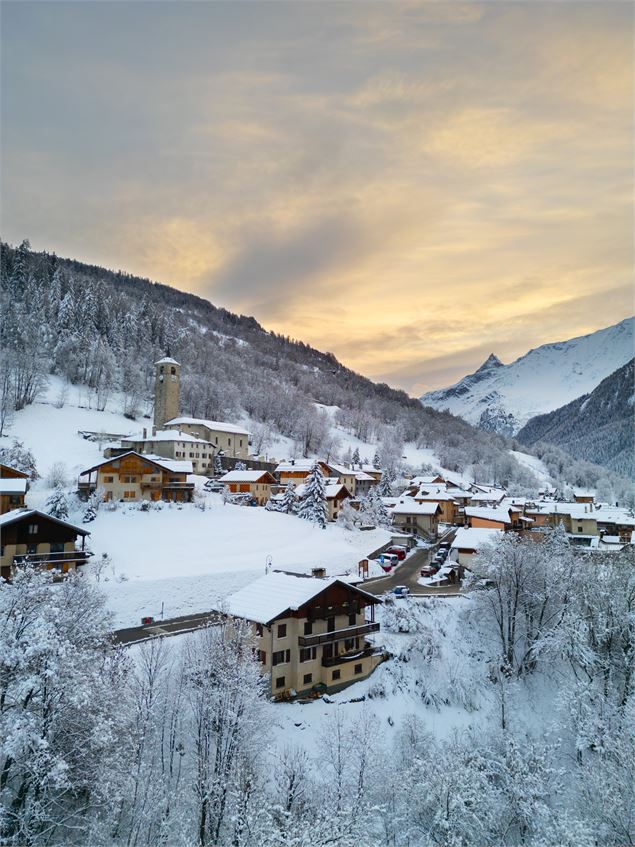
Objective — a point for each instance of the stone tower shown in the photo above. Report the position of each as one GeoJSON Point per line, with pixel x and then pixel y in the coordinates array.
{"type": "Point", "coordinates": [167, 390]}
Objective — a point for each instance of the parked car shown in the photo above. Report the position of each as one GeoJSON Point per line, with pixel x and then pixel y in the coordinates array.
{"type": "Point", "coordinates": [388, 559]}
{"type": "Point", "coordinates": [399, 552]}
{"type": "Point", "coordinates": [401, 590]}
{"type": "Point", "coordinates": [444, 545]}
{"type": "Point", "coordinates": [428, 570]}
{"type": "Point", "coordinates": [214, 487]}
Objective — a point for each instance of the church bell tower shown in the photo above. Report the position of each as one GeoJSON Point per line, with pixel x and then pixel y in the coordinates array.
{"type": "Point", "coordinates": [167, 389]}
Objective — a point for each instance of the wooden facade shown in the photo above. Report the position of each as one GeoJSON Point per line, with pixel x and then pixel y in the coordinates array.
{"type": "Point", "coordinates": [32, 537]}
{"type": "Point", "coordinates": [132, 477]}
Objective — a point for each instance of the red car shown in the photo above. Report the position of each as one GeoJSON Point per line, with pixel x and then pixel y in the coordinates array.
{"type": "Point", "coordinates": [428, 570]}
{"type": "Point", "coordinates": [399, 552]}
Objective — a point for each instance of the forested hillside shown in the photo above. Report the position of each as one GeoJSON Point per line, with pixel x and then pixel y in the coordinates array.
{"type": "Point", "coordinates": [105, 329]}
{"type": "Point", "coordinates": [597, 426]}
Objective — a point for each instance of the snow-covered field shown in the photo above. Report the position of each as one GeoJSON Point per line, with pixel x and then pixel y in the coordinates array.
{"type": "Point", "coordinates": [187, 559]}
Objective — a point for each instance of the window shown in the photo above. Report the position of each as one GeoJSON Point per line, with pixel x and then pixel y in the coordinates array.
{"type": "Point", "coordinates": [130, 479]}
{"type": "Point", "coordinates": [32, 528]}
{"type": "Point", "coordinates": [308, 678]}
{"type": "Point", "coordinates": [351, 619]}
{"type": "Point", "coordinates": [31, 549]}
{"type": "Point", "coordinates": [108, 479]}
{"type": "Point", "coordinates": [229, 442]}
{"type": "Point", "coordinates": [308, 654]}
{"type": "Point", "coordinates": [241, 442]}
{"type": "Point", "coordinates": [308, 627]}
{"type": "Point", "coordinates": [349, 644]}
{"type": "Point", "coordinates": [579, 529]}
{"type": "Point", "coordinates": [358, 668]}
{"type": "Point", "coordinates": [282, 630]}
{"type": "Point", "coordinates": [280, 657]}
{"type": "Point", "coordinates": [128, 495]}
{"type": "Point", "coordinates": [56, 547]}
{"type": "Point", "coordinates": [280, 682]}
{"type": "Point", "coordinates": [259, 628]}
{"type": "Point", "coordinates": [330, 624]}
{"type": "Point", "coordinates": [262, 655]}
{"type": "Point", "coordinates": [336, 674]}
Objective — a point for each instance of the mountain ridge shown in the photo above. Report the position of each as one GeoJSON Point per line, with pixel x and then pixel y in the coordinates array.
{"type": "Point", "coordinates": [503, 398]}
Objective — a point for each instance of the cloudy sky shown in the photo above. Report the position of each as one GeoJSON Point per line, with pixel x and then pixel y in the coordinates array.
{"type": "Point", "coordinates": [408, 185]}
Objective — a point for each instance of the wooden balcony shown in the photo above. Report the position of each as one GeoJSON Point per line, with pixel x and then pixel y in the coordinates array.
{"type": "Point", "coordinates": [323, 612]}
{"type": "Point", "coordinates": [337, 635]}
{"type": "Point", "coordinates": [52, 560]}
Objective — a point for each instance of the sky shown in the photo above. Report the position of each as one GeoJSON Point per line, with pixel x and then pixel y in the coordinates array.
{"type": "Point", "coordinates": [409, 185]}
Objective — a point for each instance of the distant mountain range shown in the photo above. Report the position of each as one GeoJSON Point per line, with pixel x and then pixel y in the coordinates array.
{"type": "Point", "coordinates": [597, 426]}
{"type": "Point", "coordinates": [503, 398]}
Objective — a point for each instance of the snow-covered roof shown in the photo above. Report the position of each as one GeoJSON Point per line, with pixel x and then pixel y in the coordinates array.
{"type": "Point", "coordinates": [20, 514]}
{"type": "Point", "coordinates": [165, 435]}
{"type": "Point", "coordinates": [425, 480]}
{"type": "Point", "coordinates": [364, 477]}
{"type": "Point", "coordinates": [584, 492]}
{"type": "Point", "coordinates": [467, 538]}
{"type": "Point", "coordinates": [341, 470]}
{"type": "Point", "coordinates": [10, 485]}
{"type": "Point", "coordinates": [501, 515]}
{"type": "Point", "coordinates": [172, 465]}
{"type": "Point", "coordinates": [298, 465]}
{"type": "Point", "coordinates": [219, 426]}
{"type": "Point", "coordinates": [332, 490]}
{"type": "Point", "coordinates": [409, 506]}
{"type": "Point", "coordinates": [267, 598]}
{"type": "Point", "coordinates": [22, 474]}
{"type": "Point", "coordinates": [167, 360]}
{"type": "Point", "coordinates": [437, 496]}
{"type": "Point", "coordinates": [243, 476]}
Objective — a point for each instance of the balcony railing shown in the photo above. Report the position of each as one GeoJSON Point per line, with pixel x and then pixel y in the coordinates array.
{"type": "Point", "coordinates": [329, 662]}
{"type": "Point", "coordinates": [323, 612]}
{"type": "Point", "coordinates": [78, 557]}
{"type": "Point", "coordinates": [337, 635]}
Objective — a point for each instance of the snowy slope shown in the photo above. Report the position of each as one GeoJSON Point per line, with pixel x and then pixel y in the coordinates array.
{"type": "Point", "coordinates": [502, 398]}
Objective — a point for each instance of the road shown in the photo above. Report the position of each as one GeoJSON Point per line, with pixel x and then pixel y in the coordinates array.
{"type": "Point", "coordinates": [406, 574]}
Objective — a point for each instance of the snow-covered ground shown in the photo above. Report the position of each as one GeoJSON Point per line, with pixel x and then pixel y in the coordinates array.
{"type": "Point", "coordinates": [188, 559]}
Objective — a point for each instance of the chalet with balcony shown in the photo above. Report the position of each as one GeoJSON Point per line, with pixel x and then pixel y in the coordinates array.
{"type": "Point", "coordinates": [255, 483]}
{"type": "Point", "coordinates": [13, 487]}
{"type": "Point", "coordinates": [132, 477]}
{"type": "Point", "coordinates": [416, 518]}
{"type": "Point", "coordinates": [229, 438]}
{"type": "Point", "coordinates": [311, 633]}
{"type": "Point", "coordinates": [28, 536]}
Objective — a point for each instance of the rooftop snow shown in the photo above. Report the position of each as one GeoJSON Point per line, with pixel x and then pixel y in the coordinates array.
{"type": "Point", "coordinates": [486, 514]}
{"type": "Point", "coordinates": [219, 426]}
{"type": "Point", "coordinates": [270, 596]}
{"type": "Point", "coordinates": [243, 476]}
{"type": "Point", "coordinates": [19, 514]}
{"type": "Point", "coordinates": [467, 538]}
{"type": "Point", "coordinates": [13, 486]}
{"type": "Point", "coordinates": [165, 435]}
{"type": "Point", "coordinates": [167, 361]}
{"type": "Point", "coordinates": [410, 507]}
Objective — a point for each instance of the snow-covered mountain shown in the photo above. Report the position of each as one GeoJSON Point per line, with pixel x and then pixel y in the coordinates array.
{"type": "Point", "coordinates": [502, 398]}
{"type": "Point", "coordinates": [597, 426]}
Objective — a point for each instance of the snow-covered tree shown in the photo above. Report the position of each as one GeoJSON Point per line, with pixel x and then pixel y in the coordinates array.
{"type": "Point", "coordinates": [240, 466]}
{"type": "Point", "coordinates": [355, 458]}
{"type": "Point", "coordinates": [377, 460]}
{"type": "Point", "coordinates": [313, 507]}
{"type": "Point", "coordinates": [218, 466]}
{"type": "Point", "coordinates": [372, 509]}
{"type": "Point", "coordinates": [349, 516]}
{"type": "Point", "coordinates": [385, 483]}
{"type": "Point", "coordinates": [289, 499]}
{"type": "Point", "coordinates": [57, 503]}
{"type": "Point", "coordinates": [58, 708]}
{"type": "Point", "coordinates": [19, 457]}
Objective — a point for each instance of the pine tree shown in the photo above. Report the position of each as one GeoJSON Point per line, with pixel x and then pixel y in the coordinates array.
{"type": "Point", "coordinates": [377, 460]}
{"type": "Point", "coordinates": [218, 466]}
{"type": "Point", "coordinates": [385, 483]}
{"type": "Point", "coordinates": [19, 457]}
{"type": "Point", "coordinates": [355, 458]}
{"type": "Point", "coordinates": [288, 504]}
{"type": "Point", "coordinates": [57, 503]}
{"type": "Point", "coordinates": [92, 507]}
{"type": "Point", "coordinates": [240, 466]}
{"type": "Point", "coordinates": [313, 504]}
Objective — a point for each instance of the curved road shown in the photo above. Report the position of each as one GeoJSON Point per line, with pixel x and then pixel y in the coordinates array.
{"type": "Point", "coordinates": [409, 572]}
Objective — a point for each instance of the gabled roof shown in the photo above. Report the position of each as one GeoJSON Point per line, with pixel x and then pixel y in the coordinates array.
{"type": "Point", "coordinates": [245, 476]}
{"type": "Point", "coordinates": [500, 515]}
{"type": "Point", "coordinates": [167, 360]}
{"type": "Point", "coordinates": [332, 490]}
{"type": "Point", "coordinates": [165, 435]}
{"type": "Point", "coordinates": [269, 597]}
{"type": "Point", "coordinates": [409, 506]}
{"type": "Point", "coordinates": [172, 465]}
{"type": "Point", "coordinates": [21, 474]}
{"type": "Point", "coordinates": [219, 426]}
{"type": "Point", "coordinates": [22, 514]}
{"type": "Point", "coordinates": [467, 538]}
{"type": "Point", "coordinates": [303, 465]}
